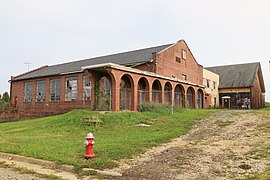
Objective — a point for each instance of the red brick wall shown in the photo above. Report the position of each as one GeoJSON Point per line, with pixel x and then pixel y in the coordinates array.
{"type": "Point", "coordinates": [164, 63]}
{"type": "Point", "coordinates": [167, 64]}
{"type": "Point", "coordinates": [17, 98]}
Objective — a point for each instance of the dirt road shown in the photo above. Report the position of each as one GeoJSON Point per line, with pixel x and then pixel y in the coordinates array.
{"type": "Point", "coordinates": [228, 145]}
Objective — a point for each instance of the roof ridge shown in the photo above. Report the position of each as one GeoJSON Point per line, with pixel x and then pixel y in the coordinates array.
{"type": "Point", "coordinates": [29, 71]}
{"type": "Point", "coordinates": [233, 64]}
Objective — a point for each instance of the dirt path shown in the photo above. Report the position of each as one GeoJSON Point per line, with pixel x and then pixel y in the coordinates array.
{"type": "Point", "coordinates": [10, 174]}
{"type": "Point", "coordinates": [228, 145]}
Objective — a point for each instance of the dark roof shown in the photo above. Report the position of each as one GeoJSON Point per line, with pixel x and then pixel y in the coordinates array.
{"type": "Point", "coordinates": [130, 58]}
{"type": "Point", "coordinates": [235, 76]}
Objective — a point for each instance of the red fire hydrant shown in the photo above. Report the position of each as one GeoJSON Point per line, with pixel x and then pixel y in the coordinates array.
{"type": "Point", "coordinates": [89, 142]}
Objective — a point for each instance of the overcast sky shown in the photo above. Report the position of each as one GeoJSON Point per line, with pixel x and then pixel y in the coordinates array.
{"type": "Point", "coordinates": [47, 32]}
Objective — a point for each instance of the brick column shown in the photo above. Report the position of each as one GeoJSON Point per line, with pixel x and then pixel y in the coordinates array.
{"type": "Point", "coordinates": [116, 95]}
{"type": "Point", "coordinates": [47, 98]}
{"type": "Point", "coordinates": [135, 95]}
{"type": "Point", "coordinates": [92, 79]}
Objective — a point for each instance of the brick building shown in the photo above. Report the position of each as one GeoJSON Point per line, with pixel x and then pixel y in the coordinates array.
{"type": "Point", "coordinates": [211, 82]}
{"type": "Point", "coordinates": [241, 85]}
{"type": "Point", "coordinates": [164, 74]}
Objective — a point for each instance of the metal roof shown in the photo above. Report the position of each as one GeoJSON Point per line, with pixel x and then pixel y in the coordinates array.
{"type": "Point", "coordinates": [130, 58]}
{"type": "Point", "coordinates": [235, 76]}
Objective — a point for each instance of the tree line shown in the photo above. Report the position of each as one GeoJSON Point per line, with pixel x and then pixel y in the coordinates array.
{"type": "Point", "coordinates": [4, 100]}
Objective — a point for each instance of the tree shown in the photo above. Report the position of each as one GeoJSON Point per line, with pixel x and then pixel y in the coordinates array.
{"type": "Point", "coordinates": [5, 97]}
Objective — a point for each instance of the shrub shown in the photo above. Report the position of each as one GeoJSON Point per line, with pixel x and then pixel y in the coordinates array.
{"type": "Point", "coordinates": [150, 107]}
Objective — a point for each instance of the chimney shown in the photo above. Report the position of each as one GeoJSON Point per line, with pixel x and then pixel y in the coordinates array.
{"type": "Point", "coordinates": [154, 56]}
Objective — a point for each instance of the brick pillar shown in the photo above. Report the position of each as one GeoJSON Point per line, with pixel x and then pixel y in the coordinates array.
{"type": "Point", "coordinates": [150, 91]}
{"type": "Point", "coordinates": [80, 86]}
{"type": "Point", "coordinates": [116, 95]}
{"type": "Point", "coordinates": [62, 88]}
{"type": "Point", "coordinates": [47, 98]}
{"type": "Point", "coordinates": [172, 97]}
{"type": "Point", "coordinates": [92, 80]}
{"type": "Point", "coordinates": [135, 95]}
{"type": "Point", "coordinates": [34, 89]}
{"type": "Point", "coordinates": [195, 98]}
{"type": "Point", "coordinates": [162, 92]}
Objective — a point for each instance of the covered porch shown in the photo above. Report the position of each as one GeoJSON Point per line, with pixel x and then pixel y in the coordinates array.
{"type": "Point", "coordinates": [118, 88]}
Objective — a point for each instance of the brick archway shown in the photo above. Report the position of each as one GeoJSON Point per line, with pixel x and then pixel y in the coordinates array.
{"type": "Point", "coordinates": [200, 99]}
{"type": "Point", "coordinates": [179, 96]}
{"type": "Point", "coordinates": [143, 91]}
{"type": "Point", "coordinates": [168, 93]}
{"type": "Point", "coordinates": [190, 98]}
{"type": "Point", "coordinates": [126, 92]}
{"type": "Point", "coordinates": [156, 92]}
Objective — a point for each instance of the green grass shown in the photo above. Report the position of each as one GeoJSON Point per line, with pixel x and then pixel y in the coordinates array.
{"type": "Point", "coordinates": [60, 138]}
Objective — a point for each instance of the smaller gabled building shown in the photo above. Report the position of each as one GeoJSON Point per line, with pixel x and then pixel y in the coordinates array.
{"type": "Point", "coordinates": [241, 85]}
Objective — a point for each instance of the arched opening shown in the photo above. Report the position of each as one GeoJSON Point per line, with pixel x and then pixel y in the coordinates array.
{"type": "Point", "coordinates": [168, 93]}
{"type": "Point", "coordinates": [179, 96]}
{"type": "Point", "coordinates": [200, 99]}
{"type": "Point", "coordinates": [125, 93]}
{"type": "Point", "coordinates": [143, 91]}
{"type": "Point", "coordinates": [190, 98]}
{"type": "Point", "coordinates": [105, 94]}
{"type": "Point", "coordinates": [156, 92]}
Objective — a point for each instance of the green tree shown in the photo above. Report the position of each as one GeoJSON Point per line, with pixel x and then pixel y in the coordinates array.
{"type": "Point", "coordinates": [5, 97]}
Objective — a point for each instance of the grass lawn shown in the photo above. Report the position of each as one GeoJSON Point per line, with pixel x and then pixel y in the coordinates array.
{"type": "Point", "coordinates": [60, 138]}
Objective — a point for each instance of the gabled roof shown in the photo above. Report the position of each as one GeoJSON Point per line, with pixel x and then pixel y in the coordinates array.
{"type": "Point", "coordinates": [131, 58]}
{"type": "Point", "coordinates": [238, 75]}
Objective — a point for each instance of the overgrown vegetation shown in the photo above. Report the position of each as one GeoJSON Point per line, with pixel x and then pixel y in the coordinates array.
{"type": "Point", "coordinates": [161, 108]}
{"type": "Point", "coordinates": [60, 138]}
{"type": "Point", "coordinates": [4, 100]}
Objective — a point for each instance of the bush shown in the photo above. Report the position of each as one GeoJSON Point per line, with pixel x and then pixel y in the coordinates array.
{"type": "Point", "coordinates": [150, 107]}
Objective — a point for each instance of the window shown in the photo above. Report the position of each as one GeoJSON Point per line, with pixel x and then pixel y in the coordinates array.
{"type": "Point", "coordinates": [41, 91]}
{"type": "Point", "coordinates": [214, 84]}
{"type": "Point", "coordinates": [178, 59]}
{"type": "Point", "coordinates": [55, 90]}
{"type": "Point", "coordinates": [86, 88]}
{"type": "Point", "coordinates": [28, 91]}
{"type": "Point", "coordinates": [207, 83]}
{"type": "Point", "coordinates": [184, 76]}
{"type": "Point", "coordinates": [184, 54]}
{"type": "Point", "coordinates": [71, 88]}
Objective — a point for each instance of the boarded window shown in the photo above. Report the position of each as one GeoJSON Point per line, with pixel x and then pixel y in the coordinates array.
{"type": "Point", "coordinates": [28, 91]}
{"type": "Point", "coordinates": [178, 59]}
{"type": "Point", "coordinates": [41, 91]}
{"type": "Point", "coordinates": [71, 89]}
{"type": "Point", "coordinates": [55, 90]}
{"type": "Point", "coordinates": [214, 85]}
{"type": "Point", "coordinates": [207, 83]}
{"type": "Point", "coordinates": [86, 88]}
{"type": "Point", "coordinates": [184, 54]}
